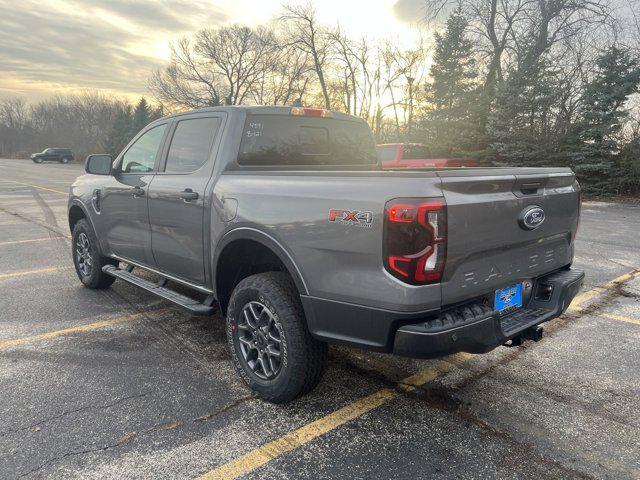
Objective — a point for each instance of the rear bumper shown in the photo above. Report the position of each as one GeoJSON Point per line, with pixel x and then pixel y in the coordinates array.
{"type": "Point", "coordinates": [478, 329]}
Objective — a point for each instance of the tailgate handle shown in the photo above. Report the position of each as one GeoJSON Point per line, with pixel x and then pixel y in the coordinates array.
{"type": "Point", "coordinates": [530, 188]}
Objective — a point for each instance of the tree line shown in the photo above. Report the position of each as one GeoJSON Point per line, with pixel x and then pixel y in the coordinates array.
{"type": "Point", "coordinates": [509, 82]}
{"type": "Point", "coordinates": [88, 122]}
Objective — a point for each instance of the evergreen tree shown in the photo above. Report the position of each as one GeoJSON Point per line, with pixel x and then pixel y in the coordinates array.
{"type": "Point", "coordinates": [142, 116]}
{"type": "Point", "coordinates": [521, 126]}
{"type": "Point", "coordinates": [120, 132]}
{"type": "Point", "coordinates": [595, 153]}
{"type": "Point", "coordinates": [451, 123]}
{"type": "Point", "coordinates": [128, 123]}
{"type": "Point", "coordinates": [629, 162]}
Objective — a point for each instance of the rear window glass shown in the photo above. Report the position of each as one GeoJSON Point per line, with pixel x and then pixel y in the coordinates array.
{"type": "Point", "coordinates": [273, 140]}
{"type": "Point", "coordinates": [416, 152]}
{"type": "Point", "coordinates": [387, 154]}
{"type": "Point", "coordinates": [191, 144]}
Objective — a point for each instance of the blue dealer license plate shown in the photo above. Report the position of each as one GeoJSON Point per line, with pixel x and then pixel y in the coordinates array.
{"type": "Point", "coordinates": [508, 298]}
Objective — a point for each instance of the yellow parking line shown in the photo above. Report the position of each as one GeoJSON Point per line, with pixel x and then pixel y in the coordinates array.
{"type": "Point", "coordinates": [29, 272]}
{"type": "Point", "coordinates": [80, 328]}
{"type": "Point", "coordinates": [588, 295]}
{"type": "Point", "coordinates": [31, 240]}
{"type": "Point", "coordinates": [292, 440]}
{"type": "Point", "coordinates": [303, 435]}
{"type": "Point", "coordinates": [39, 187]}
{"type": "Point", "coordinates": [620, 318]}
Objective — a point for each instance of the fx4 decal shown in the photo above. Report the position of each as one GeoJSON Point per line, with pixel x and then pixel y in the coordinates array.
{"type": "Point", "coordinates": [354, 218]}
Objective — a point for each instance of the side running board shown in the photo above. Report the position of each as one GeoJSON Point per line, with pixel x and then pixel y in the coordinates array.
{"type": "Point", "coordinates": [159, 289]}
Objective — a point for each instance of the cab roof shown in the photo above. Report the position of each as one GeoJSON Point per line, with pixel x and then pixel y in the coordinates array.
{"type": "Point", "coordinates": [261, 110]}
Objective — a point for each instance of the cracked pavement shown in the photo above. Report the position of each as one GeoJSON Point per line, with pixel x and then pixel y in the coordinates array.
{"type": "Point", "coordinates": [157, 397]}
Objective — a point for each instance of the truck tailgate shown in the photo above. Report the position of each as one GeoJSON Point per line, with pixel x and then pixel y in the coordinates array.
{"type": "Point", "coordinates": [487, 246]}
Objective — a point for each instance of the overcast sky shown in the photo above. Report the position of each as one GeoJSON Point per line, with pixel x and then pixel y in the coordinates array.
{"type": "Point", "coordinates": [61, 46]}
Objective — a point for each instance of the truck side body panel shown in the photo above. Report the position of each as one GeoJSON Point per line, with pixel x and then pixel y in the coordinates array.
{"type": "Point", "coordinates": [339, 259]}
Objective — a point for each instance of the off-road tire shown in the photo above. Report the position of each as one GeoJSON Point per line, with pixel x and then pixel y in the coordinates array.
{"type": "Point", "coordinates": [303, 357]}
{"type": "Point", "coordinates": [96, 279]}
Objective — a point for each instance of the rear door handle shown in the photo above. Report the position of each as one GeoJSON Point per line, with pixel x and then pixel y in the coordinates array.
{"type": "Point", "coordinates": [187, 195]}
{"type": "Point", "coordinates": [137, 191]}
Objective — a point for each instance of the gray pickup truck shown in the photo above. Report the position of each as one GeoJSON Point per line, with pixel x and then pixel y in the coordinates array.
{"type": "Point", "coordinates": [282, 219]}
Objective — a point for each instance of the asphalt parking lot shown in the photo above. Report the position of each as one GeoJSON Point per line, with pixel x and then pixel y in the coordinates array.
{"type": "Point", "coordinates": [117, 384]}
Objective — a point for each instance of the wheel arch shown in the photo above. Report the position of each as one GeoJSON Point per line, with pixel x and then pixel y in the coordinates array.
{"type": "Point", "coordinates": [249, 244]}
{"type": "Point", "coordinates": [77, 212]}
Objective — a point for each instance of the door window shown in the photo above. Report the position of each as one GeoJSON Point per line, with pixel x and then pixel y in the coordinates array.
{"type": "Point", "coordinates": [387, 153]}
{"type": "Point", "coordinates": [141, 156]}
{"type": "Point", "coordinates": [191, 144]}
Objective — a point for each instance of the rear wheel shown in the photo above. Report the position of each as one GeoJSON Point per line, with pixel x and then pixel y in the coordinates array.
{"type": "Point", "coordinates": [87, 258]}
{"type": "Point", "coordinates": [64, 160]}
{"type": "Point", "coordinates": [272, 350]}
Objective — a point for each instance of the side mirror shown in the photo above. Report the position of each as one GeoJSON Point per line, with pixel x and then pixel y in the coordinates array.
{"type": "Point", "coordinates": [98, 164]}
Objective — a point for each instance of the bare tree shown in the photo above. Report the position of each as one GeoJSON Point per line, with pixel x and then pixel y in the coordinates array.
{"type": "Point", "coordinates": [14, 125]}
{"type": "Point", "coordinates": [305, 33]}
{"type": "Point", "coordinates": [347, 70]}
{"type": "Point", "coordinates": [186, 82]}
{"type": "Point", "coordinates": [222, 65]}
{"type": "Point", "coordinates": [237, 54]}
{"type": "Point", "coordinates": [517, 25]}
{"type": "Point", "coordinates": [493, 21]}
{"type": "Point", "coordinates": [400, 70]}
{"type": "Point", "coordinates": [284, 76]}
{"type": "Point", "coordinates": [13, 112]}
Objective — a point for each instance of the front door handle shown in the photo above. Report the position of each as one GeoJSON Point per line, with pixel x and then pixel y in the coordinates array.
{"type": "Point", "coordinates": [187, 195]}
{"type": "Point", "coordinates": [137, 191]}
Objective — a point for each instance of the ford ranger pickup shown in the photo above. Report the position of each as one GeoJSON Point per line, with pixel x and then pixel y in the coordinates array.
{"type": "Point", "coordinates": [282, 219]}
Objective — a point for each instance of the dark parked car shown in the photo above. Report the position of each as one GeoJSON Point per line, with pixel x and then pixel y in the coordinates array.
{"type": "Point", "coordinates": [62, 155]}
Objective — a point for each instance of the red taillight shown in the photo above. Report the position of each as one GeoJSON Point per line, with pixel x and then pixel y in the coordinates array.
{"type": "Point", "coordinates": [402, 213]}
{"type": "Point", "coordinates": [415, 239]}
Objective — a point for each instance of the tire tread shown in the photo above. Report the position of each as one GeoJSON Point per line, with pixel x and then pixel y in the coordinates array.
{"type": "Point", "coordinates": [99, 280]}
{"type": "Point", "coordinates": [279, 288]}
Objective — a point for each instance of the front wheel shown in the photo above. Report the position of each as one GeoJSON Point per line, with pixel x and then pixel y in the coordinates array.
{"type": "Point", "coordinates": [87, 258]}
{"type": "Point", "coordinates": [272, 349]}
{"type": "Point", "coordinates": [37, 160]}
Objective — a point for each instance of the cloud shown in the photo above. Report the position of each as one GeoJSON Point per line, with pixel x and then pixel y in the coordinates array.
{"type": "Point", "coordinates": [81, 44]}
{"type": "Point", "coordinates": [164, 15]}
{"type": "Point", "coordinates": [410, 11]}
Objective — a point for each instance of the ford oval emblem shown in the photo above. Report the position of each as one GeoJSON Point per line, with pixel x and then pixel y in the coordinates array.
{"type": "Point", "coordinates": [531, 217]}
